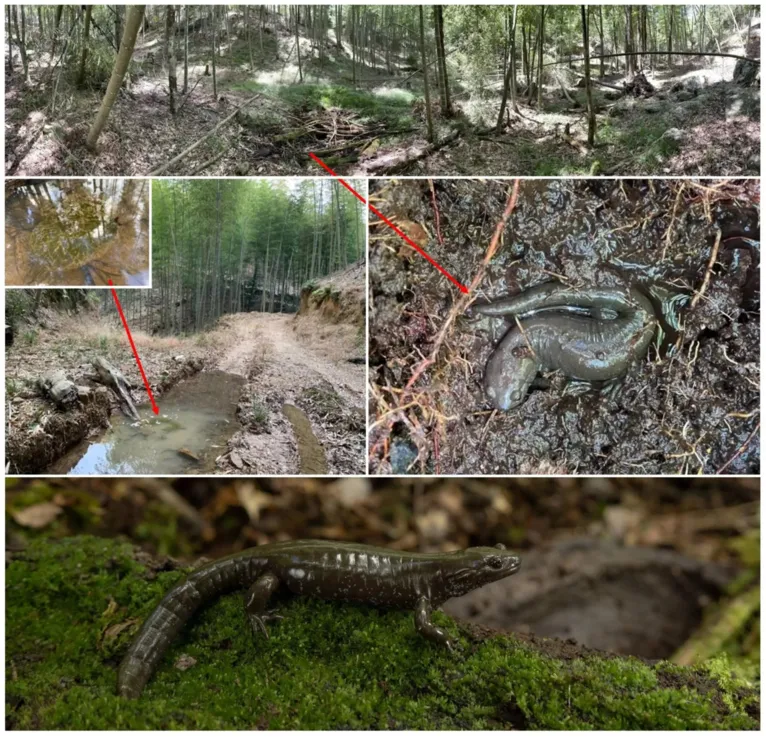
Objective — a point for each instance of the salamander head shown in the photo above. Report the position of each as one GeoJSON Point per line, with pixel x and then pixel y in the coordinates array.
{"type": "Point", "coordinates": [475, 567]}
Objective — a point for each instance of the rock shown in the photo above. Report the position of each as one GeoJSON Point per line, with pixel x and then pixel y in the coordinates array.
{"type": "Point", "coordinates": [745, 73]}
{"type": "Point", "coordinates": [60, 389]}
{"type": "Point", "coordinates": [236, 459]}
{"type": "Point", "coordinates": [179, 359]}
{"type": "Point", "coordinates": [83, 392]}
{"type": "Point", "coordinates": [685, 95]}
{"type": "Point", "coordinates": [673, 134]}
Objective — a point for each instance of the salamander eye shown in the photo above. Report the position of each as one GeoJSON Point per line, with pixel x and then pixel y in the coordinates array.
{"type": "Point", "coordinates": [495, 561]}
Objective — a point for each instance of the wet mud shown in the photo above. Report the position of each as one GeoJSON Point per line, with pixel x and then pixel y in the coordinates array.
{"type": "Point", "coordinates": [79, 232]}
{"type": "Point", "coordinates": [197, 417]}
{"type": "Point", "coordinates": [312, 457]}
{"type": "Point", "coordinates": [690, 405]}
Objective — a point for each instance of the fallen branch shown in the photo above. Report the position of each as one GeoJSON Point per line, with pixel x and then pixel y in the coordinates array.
{"type": "Point", "coordinates": [653, 53]}
{"type": "Point", "coordinates": [207, 135]}
{"type": "Point", "coordinates": [204, 165]}
{"type": "Point", "coordinates": [713, 256]}
{"type": "Point", "coordinates": [392, 162]}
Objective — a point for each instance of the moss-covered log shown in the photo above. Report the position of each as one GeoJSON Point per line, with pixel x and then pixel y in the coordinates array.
{"type": "Point", "coordinates": [73, 607]}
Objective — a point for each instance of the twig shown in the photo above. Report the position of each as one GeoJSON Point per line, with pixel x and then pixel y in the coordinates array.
{"type": "Point", "coordinates": [204, 165]}
{"type": "Point", "coordinates": [188, 95]}
{"type": "Point", "coordinates": [436, 211]}
{"type": "Point", "coordinates": [741, 449]}
{"type": "Point", "coordinates": [713, 256]}
{"type": "Point", "coordinates": [194, 145]}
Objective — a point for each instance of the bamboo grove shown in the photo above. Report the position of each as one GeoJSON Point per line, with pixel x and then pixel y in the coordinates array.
{"type": "Point", "coordinates": [223, 246]}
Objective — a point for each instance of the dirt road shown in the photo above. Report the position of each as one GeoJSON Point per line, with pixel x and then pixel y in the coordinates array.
{"type": "Point", "coordinates": [309, 370]}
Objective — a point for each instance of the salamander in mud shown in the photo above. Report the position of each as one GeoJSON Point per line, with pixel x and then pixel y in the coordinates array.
{"type": "Point", "coordinates": [549, 334]}
{"type": "Point", "coordinates": [322, 569]}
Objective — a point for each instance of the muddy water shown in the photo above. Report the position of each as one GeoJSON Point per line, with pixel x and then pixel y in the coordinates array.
{"type": "Point", "coordinates": [313, 459]}
{"type": "Point", "coordinates": [196, 419]}
{"type": "Point", "coordinates": [79, 232]}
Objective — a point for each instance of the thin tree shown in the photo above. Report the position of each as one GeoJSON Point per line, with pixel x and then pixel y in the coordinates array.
{"type": "Point", "coordinates": [540, 59]}
{"type": "Point", "coordinates": [298, 42]}
{"type": "Point", "coordinates": [509, 83]}
{"type": "Point", "coordinates": [84, 55]}
{"type": "Point", "coordinates": [170, 53]}
{"type": "Point", "coordinates": [215, 32]}
{"type": "Point", "coordinates": [135, 15]}
{"type": "Point", "coordinates": [425, 76]}
{"type": "Point", "coordinates": [186, 49]}
{"type": "Point", "coordinates": [21, 41]}
{"type": "Point", "coordinates": [588, 91]}
{"type": "Point", "coordinates": [442, 60]}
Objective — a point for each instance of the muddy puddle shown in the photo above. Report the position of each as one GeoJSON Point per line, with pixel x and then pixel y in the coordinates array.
{"type": "Point", "coordinates": [689, 404]}
{"type": "Point", "coordinates": [312, 456]}
{"type": "Point", "coordinates": [78, 232]}
{"type": "Point", "coordinates": [197, 417]}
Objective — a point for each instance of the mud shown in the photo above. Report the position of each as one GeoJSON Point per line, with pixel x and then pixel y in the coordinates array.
{"type": "Point", "coordinates": [77, 232]}
{"type": "Point", "coordinates": [691, 406]}
{"type": "Point", "coordinates": [633, 601]}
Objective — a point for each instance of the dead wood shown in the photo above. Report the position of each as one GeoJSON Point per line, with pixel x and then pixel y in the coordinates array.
{"type": "Point", "coordinates": [111, 377]}
{"type": "Point", "coordinates": [207, 135]}
{"type": "Point", "coordinates": [394, 161]}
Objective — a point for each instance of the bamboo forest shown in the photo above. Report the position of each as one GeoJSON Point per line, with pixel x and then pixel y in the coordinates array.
{"type": "Point", "coordinates": [252, 338]}
{"type": "Point", "coordinates": [241, 90]}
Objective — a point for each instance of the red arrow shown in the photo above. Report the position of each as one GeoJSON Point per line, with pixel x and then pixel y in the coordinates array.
{"type": "Point", "coordinates": [396, 230]}
{"type": "Point", "coordinates": [155, 408]}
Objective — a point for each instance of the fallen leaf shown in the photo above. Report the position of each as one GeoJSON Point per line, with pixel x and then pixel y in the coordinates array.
{"type": "Point", "coordinates": [38, 515]}
{"type": "Point", "coordinates": [185, 662]}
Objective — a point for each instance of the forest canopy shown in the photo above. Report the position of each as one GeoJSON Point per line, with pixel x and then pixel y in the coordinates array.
{"type": "Point", "coordinates": [382, 89]}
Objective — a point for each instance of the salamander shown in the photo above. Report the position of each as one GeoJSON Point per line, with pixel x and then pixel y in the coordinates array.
{"type": "Point", "coordinates": [550, 334]}
{"type": "Point", "coordinates": [328, 570]}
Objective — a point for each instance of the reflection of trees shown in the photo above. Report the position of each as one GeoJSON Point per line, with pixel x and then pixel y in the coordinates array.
{"type": "Point", "coordinates": [73, 229]}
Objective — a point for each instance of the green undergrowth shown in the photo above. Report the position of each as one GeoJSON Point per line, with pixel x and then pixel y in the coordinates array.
{"type": "Point", "coordinates": [392, 107]}
{"type": "Point", "coordinates": [74, 605]}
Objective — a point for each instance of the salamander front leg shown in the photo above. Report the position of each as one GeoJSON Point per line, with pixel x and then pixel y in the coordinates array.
{"type": "Point", "coordinates": [257, 598]}
{"type": "Point", "coordinates": [426, 627]}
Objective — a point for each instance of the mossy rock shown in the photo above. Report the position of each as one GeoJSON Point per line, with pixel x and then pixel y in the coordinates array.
{"type": "Point", "coordinates": [73, 606]}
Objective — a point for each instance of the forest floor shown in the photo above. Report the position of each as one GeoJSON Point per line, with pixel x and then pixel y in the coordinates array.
{"type": "Point", "coordinates": [698, 122]}
{"type": "Point", "coordinates": [301, 409]}
{"type": "Point", "coordinates": [691, 406]}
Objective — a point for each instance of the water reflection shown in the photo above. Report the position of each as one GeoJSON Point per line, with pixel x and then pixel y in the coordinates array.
{"type": "Point", "coordinates": [77, 232]}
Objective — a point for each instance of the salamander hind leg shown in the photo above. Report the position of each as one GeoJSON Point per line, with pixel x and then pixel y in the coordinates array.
{"type": "Point", "coordinates": [426, 627]}
{"type": "Point", "coordinates": [256, 599]}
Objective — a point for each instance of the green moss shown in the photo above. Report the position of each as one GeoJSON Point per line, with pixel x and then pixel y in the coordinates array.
{"type": "Point", "coordinates": [74, 605]}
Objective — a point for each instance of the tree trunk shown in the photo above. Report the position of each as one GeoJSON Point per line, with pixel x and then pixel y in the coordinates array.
{"type": "Point", "coordinates": [588, 91]}
{"type": "Point", "coordinates": [186, 50]}
{"type": "Point", "coordinates": [132, 24]}
{"type": "Point", "coordinates": [509, 83]}
{"type": "Point", "coordinates": [298, 45]}
{"type": "Point", "coordinates": [671, 13]}
{"type": "Point", "coordinates": [84, 55]}
{"type": "Point", "coordinates": [249, 39]}
{"type": "Point", "coordinates": [601, 40]}
{"type": "Point", "coordinates": [170, 54]}
{"type": "Point", "coordinates": [215, 32]}
{"type": "Point", "coordinates": [20, 42]}
{"type": "Point", "coordinates": [442, 60]}
{"type": "Point", "coordinates": [540, 60]}
{"type": "Point", "coordinates": [429, 121]}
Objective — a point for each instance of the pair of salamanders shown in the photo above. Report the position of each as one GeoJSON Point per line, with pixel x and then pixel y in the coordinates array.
{"type": "Point", "coordinates": [591, 334]}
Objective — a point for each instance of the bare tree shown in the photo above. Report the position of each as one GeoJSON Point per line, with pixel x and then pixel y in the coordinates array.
{"type": "Point", "coordinates": [170, 53]}
{"type": "Point", "coordinates": [588, 91]}
{"type": "Point", "coordinates": [429, 121]}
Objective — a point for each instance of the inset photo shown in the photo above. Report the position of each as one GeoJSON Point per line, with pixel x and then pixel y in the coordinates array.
{"type": "Point", "coordinates": [77, 232]}
{"type": "Point", "coordinates": [251, 343]}
{"type": "Point", "coordinates": [565, 327]}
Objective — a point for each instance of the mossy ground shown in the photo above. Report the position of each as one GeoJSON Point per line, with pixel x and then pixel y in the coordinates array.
{"type": "Point", "coordinates": [74, 605]}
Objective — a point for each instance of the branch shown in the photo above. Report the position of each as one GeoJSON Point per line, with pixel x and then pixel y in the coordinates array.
{"type": "Point", "coordinates": [653, 53]}
{"type": "Point", "coordinates": [194, 145]}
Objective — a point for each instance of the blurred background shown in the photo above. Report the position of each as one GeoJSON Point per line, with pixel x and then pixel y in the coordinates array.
{"type": "Point", "coordinates": [654, 567]}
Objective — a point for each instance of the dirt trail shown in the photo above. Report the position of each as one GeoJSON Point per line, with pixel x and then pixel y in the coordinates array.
{"type": "Point", "coordinates": [284, 367]}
